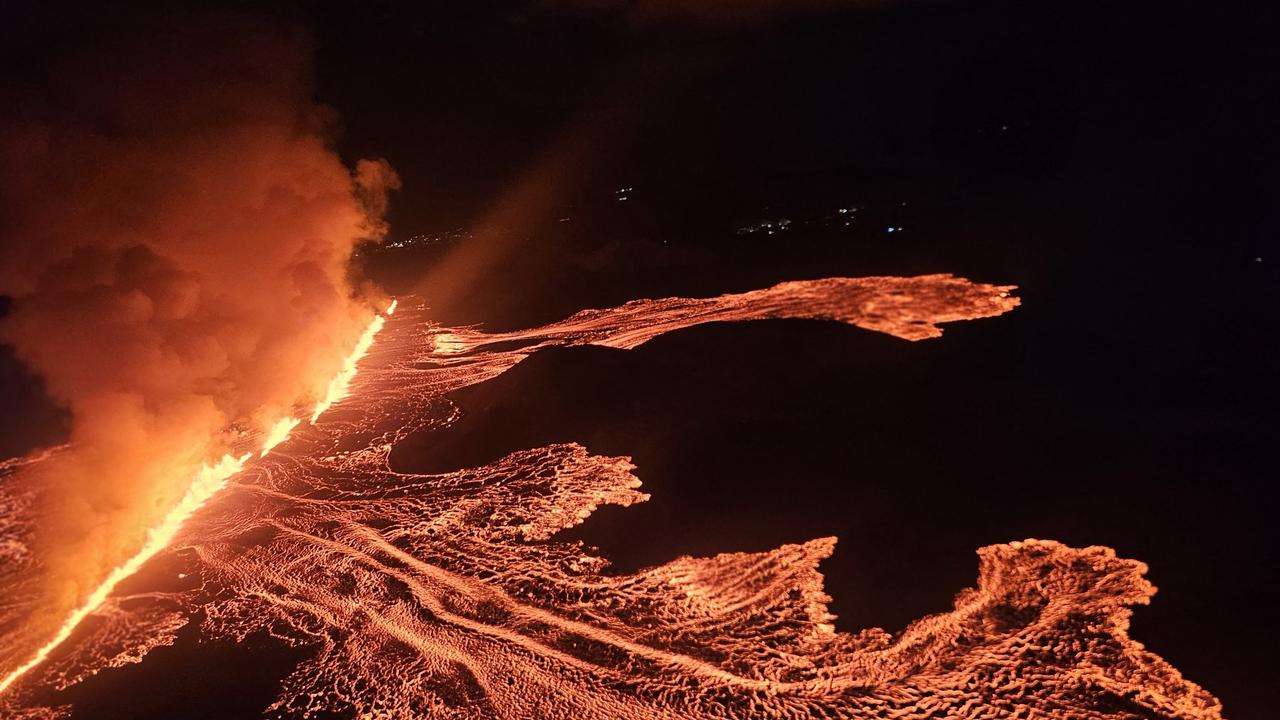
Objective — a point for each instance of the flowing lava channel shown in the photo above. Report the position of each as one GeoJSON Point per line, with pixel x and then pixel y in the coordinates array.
{"type": "Point", "coordinates": [207, 482]}
{"type": "Point", "coordinates": [450, 596]}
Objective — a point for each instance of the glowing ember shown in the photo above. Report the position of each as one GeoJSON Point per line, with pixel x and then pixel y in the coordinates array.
{"type": "Point", "coordinates": [449, 596]}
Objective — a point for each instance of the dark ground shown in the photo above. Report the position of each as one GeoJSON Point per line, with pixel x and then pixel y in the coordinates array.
{"type": "Point", "coordinates": [1117, 161]}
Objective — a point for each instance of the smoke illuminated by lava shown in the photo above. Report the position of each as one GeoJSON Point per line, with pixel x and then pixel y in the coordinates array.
{"type": "Point", "coordinates": [178, 234]}
{"type": "Point", "coordinates": [206, 483]}
{"type": "Point", "coordinates": [449, 596]}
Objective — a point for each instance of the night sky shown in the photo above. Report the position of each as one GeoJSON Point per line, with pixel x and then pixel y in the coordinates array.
{"type": "Point", "coordinates": [1117, 161]}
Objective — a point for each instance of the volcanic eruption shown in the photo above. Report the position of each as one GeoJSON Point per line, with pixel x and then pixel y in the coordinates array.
{"type": "Point", "coordinates": [178, 257]}
{"type": "Point", "coordinates": [180, 261]}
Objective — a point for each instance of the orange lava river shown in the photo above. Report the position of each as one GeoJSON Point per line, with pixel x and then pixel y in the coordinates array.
{"type": "Point", "coordinates": [450, 596]}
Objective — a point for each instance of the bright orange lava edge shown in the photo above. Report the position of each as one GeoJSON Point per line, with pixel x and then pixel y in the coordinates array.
{"type": "Point", "coordinates": [206, 483]}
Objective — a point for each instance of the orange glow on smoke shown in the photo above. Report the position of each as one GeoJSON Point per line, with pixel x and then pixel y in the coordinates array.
{"type": "Point", "coordinates": [204, 485]}
{"type": "Point", "coordinates": [207, 482]}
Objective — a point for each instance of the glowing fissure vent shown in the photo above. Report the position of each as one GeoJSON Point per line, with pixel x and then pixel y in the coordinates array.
{"type": "Point", "coordinates": [206, 483]}
{"type": "Point", "coordinates": [341, 383]}
{"type": "Point", "coordinates": [278, 434]}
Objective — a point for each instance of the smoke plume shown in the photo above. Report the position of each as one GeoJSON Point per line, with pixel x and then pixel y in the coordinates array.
{"type": "Point", "coordinates": [177, 231]}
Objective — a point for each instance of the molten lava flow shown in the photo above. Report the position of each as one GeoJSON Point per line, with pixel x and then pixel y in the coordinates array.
{"type": "Point", "coordinates": [450, 595]}
{"type": "Point", "coordinates": [206, 483]}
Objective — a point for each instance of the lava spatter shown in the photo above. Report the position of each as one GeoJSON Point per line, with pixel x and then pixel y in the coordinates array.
{"type": "Point", "coordinates": [448, 595]}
